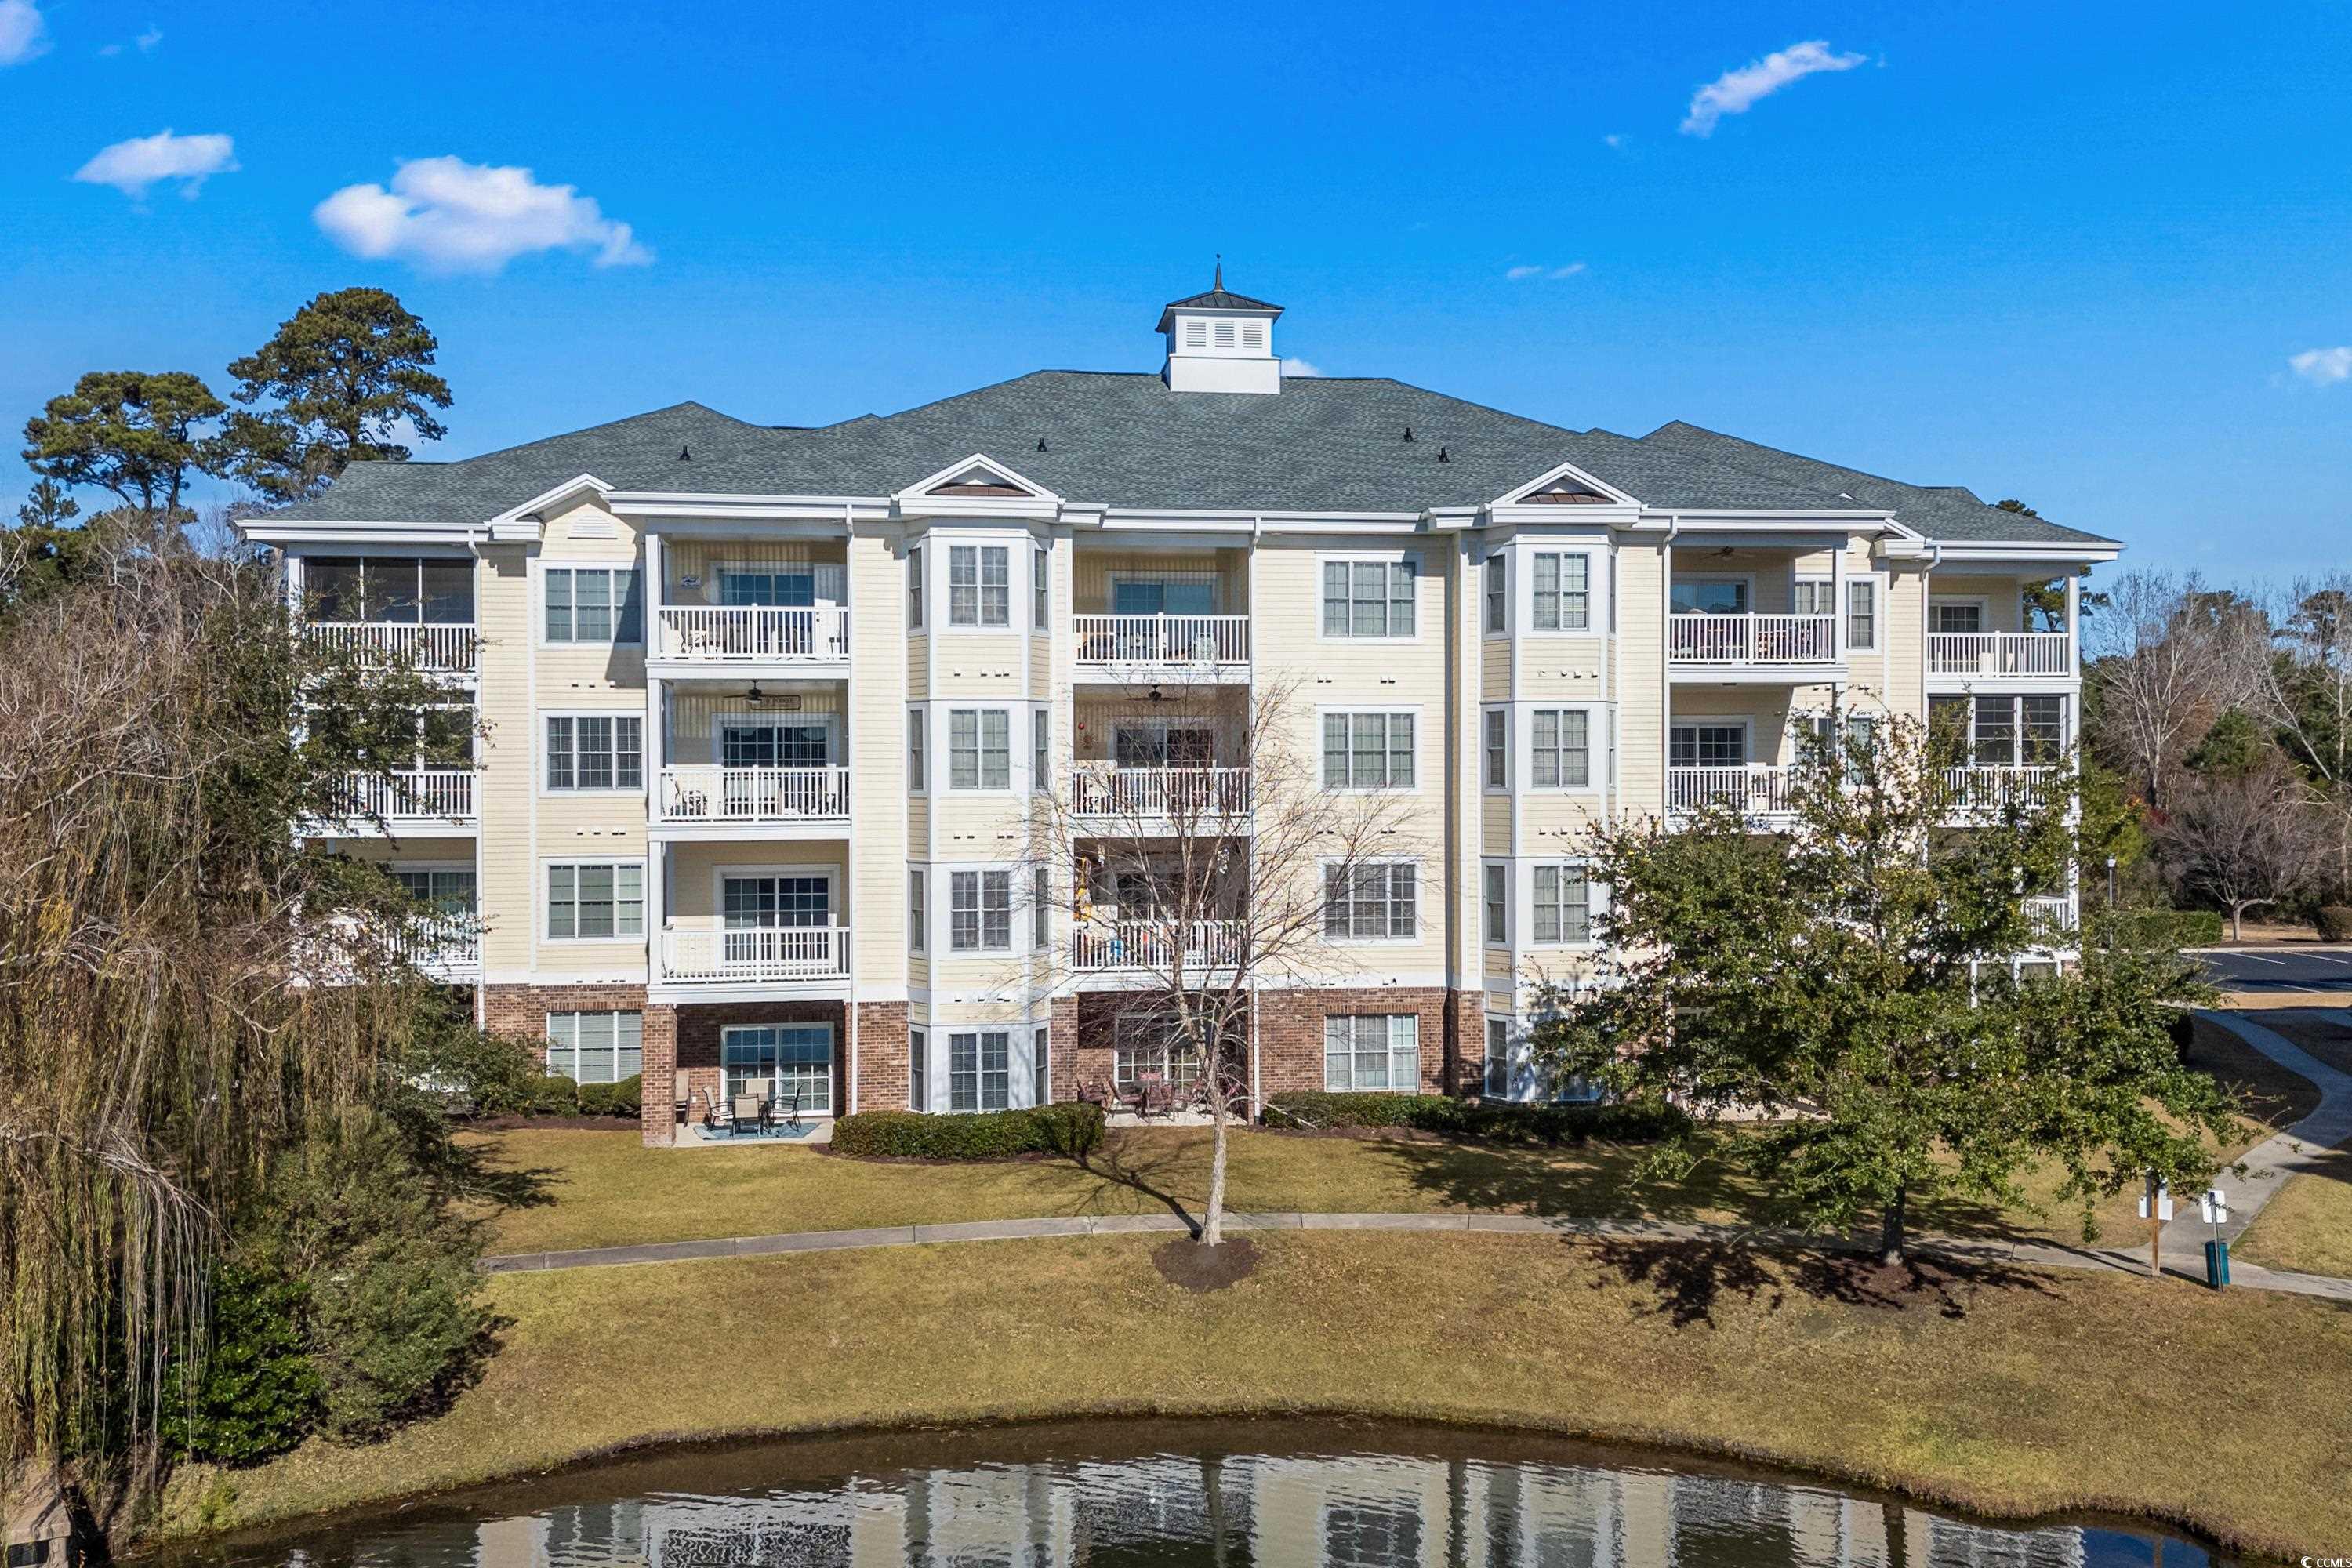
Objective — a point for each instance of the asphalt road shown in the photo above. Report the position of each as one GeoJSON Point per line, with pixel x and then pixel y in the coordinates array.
{"type": "Point", "coordinates": [2280, 968]}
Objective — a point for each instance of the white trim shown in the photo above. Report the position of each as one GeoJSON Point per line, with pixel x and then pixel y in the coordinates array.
{"type": "Point", "coordinates": [541, 904]}
{"type": "Point", "coordinates": [1013, 751]}
{"type": "Point", "coordinates": [1595, 901]}
{"type": "Point", "coordinates": [1594, 591]}
{"type": "Point", "coordinates": [944, 579]}
{"type": "Point", "coordinates": [1351, 710]}
{"type": "Point", "coordinates": [538, 742]}
{"type": "Point", "coordinates": [647, 591]}
{"type": "Point", "coordinates": [1524, 749]}
{"type": "Point", "coordinates": [1415, 559]}
{"type": "Point", "coordinates": [1564, 471]}
{"type": "Point", "coordinates": [833, 1056]}
{"type": "Point", "coordinates": [1324, 865]}
{"type": "Point", "coordinates": [528, 510]}
{"type": "Point", "coordinates": [835, 877]}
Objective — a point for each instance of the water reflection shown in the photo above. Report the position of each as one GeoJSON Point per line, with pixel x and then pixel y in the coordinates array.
{"type": "Point", "coordinates": [1348, 1508]}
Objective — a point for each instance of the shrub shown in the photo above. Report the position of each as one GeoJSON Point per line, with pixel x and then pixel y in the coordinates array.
{"type": "Point", "coordinates": [256, 1392]}
{"type": "Point", "coordinates": [495, 1074]}
{"type": "Point", "coordinates": [1485, 1121]}
{"type": "Point", "coordinates": [2170, 928]}
{"type": "Point", "coordinates": [2333, 922]}
{"type": "Point", "coordinates": [1068, 1129]}
{"type": "Point", "coordinates": [622, 1098]}
{"type": "Point", "coordinates": [553, 1095]}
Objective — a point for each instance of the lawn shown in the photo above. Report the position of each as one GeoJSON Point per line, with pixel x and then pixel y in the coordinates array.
{"type": "Point", "coordinates": [2018, 1392]}
{"type": "Point", "coordinates": [605, 1189]}
{"type": "Point", "coordinates": [2308, 1227]}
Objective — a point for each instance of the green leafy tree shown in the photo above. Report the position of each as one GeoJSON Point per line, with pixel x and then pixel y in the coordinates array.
{"type": "Point", "coordinates": [254, 1393]}
{"type": "Point", "coordinates": [1847, 981]}
{"type": "Point", "coordinates": [343, 371]}
{"type": "Point", "coordinates": [135, 433]}
{"type": "Point", "coordinates": [46, 505]}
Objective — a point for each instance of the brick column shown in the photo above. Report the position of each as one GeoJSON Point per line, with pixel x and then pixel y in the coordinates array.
{"type": "Point", "coordinates": [657, 1114]}
{"type": "Point", "coordinates": [882, 1055]}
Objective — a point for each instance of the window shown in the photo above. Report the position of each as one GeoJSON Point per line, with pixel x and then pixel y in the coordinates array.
{"type": "Point", "coordinates": [1041, 903]}
{"type": "Point", "coordinates": [980, 912]}
{"type": "Point", "coordinates": [980, 748]}
{"type": "Point", "coordinates": [915, 780]}
{"type": "Point", "coordinates": [917, 922]}
{"type": "Point", "coordinates": [1041, 729]}
{"type": "Point", "coordinates": [1861, 615]}
{"type": "Point", "coordinates": [1563, 905]}
{"type": "Point", "coordinates": [602, 753]}
{"type": "Point", "coordinates": [1498, 905]}
{"type": "Point", "coordinates": [2042, 729]}
{"type": "Point", "coordinates": [400, 590]}
{"type": "Point", "coordinates": [1562, 596]}
{"type": "Point", "coordinates": [1498, 597]}
{"type": "Point", "coordinates": [1561, 749]}
{"type": "Point", "coordinates": [1370, 902]}
{"type": "Point", "coordinates": [1144, 1042]}
{"type": "Point", "coordinates": [595, 1047]}
{"type": "Point", "coordinates": [2002, 731]}
{"type": "Point", "coordinates": [1041, 590]}
{"type": "Point", "coordinates": [1194, 593]}
{"type": "Point", "coordinates": [979, 592]}
{"type": "Point", "coordinates": [1367, 750]}
{"type": "Point", "coordinates": [1996, 732]}
{"type": "Point", "coordinates": [1498, 748]}
{"type": "Point", "coordinates": [1040, 1078]}
{"type": "Point", "coordinates": [596, 901]}
{"type": "Point", "coordinates": [1709, 596]}
{"type": "Point", "coordinates": [915, 588]}
{"type": "Point", "coordinates": [1371, 1050]}
{"type": "Point", "coordinates": [1706, 746]}
{"type": "Point", "coordinates": [1957, 620]}
{"type": "Point", "coordinates": [1499, 1057]}
{"type": "Point", "coordinates": [769, 742]}
{"type": "Point", "coordinates": [780, 587]}
{"type": "Point", "coordinates": [783, 1062]}
{"type": "Point", "coordinates": [1813, 596]}
{"type": "Point", "coordinates": [593, 604]}
{"type": "Point", "coordinates": [980, 1075]}
{"type": "Point", "coordinates": [1367, 598]}
{"type": "Point", "coordinates": [447, 890]}
{"type": "Point", "coordinates": [918, 1071]}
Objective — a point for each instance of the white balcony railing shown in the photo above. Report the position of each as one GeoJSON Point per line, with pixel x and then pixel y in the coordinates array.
{"type": "Point", "coordinates": [1755, 789]}
{"type": "Point", "coordinates": [752, 634]}
{"type": "Point", "coordinates": [1185, 795]}
{"type": "Point", "coordinates": [2051, 919]}
{"type": "Point", "coordinates": [1980, 789]}
{"type": "Point", "coordinates": [2010, 655]}
{"type": "Point", "coordinates": [1161, 640]}
{"type": "Point", "coordinates": [411, 795]}
{"type": "Point", "coordinates": [711, 794]}
{"type": "Point", "coordinates": [446, 947]}
{"type": "Point", "coordinates": [1751, 639]}
{"type": "Point", "coordinates": [1153, 944]}
{"type": "Point", "coordinates": [446, 649]}
{"type": "Point", "coordinates": [765, 955]}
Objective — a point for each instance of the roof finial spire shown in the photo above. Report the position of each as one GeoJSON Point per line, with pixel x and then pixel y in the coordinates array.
{"type": "Point", "coordinates": [1220, 281]}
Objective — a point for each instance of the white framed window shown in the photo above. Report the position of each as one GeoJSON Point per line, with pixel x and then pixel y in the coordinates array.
{"type": "Point", "coordinates": [2002, 731]}
{"type": "Point", "coordinates": [1041, 607]}
{"type": "Point", "coordinates": [1040, 1075]}
{"type": "Point", "coordinates": [980, 585]}
{"type": "Point", "coordinates": [918, 1071]}
{"type": "Point", "coordinates": [1862, 614]}
{"type": "Point", "coordinates": [913, 587]}
{"type": "Point", "coordinates": [1368, 598]}
{"type": "Point", "coordinates": [1813, 596]}
{"type": "Point", "coordinates": [1498, 1084]}
{"type": "Point", "coordinates": [1722, 744]}
{"type": "Point", "coordinates": [1956, 618]}
{"type": "Point", "coordinates": [789, 1063]}
{"type": "Point", "coordinates": [1562, 905]}
{"type": "Point", "coordinates": [597, 1046]}
{"type": "Point", "coordinates": [1707, 596]}
{"type": "Point", "coordinates": [1375, 902]}
{"type": "Point", "coordinates": [775, 740]}
{"type": "Point", "coordinates": [1367, 750]}
{"type": "Point", "coordinates": [1041, 904]}
{"type": "Point", "coordinates": [1497, 878]}
{"type": "Point", "coordinates": [1372, 1051]}
{"type": "Point", "coordinates": [1498, 748]}
{"type": "Point", "coordinates": [445, 889]}
{"type": "Point", "coordinates": [917, 780]}
{"type": "Point", "coordinates": [595, 752]}
{"type": "Point", "coordinates": [980, 748]}
{"type": "Point", "coordinates": [980, 1070]}
{"type": "Point", "coordinates": [1150, 1042]}
{"type": "Point", "coordinates": [980, 912]}
{"type": "Point", "coordinates": [918, 918]}
{"type": "Point", "coordinates": [596, 901]}
{"type": "Point", "coordinates": [396, 590]}
{"type": "Point", "coordinates": [1560, 595]}
{"type": "Point", "coordinates": [1040, 732]}
{"type": "Point", "coordinates": [1559, 749]}
{"type": "Point", "coordinates": [593, 604]}
{"type": "Point", "coordinates": [1498, 594]}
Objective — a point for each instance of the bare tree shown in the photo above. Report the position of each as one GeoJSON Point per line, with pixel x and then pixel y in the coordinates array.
{"type": "Point", "coordinates": [1208, 864]}
{"type": "Point", "coordinates": [2299, 686]}
{"type": "Point", "coordinates": [2167, 657]}
{"type": "Point", "coordinates": [2243, 840]}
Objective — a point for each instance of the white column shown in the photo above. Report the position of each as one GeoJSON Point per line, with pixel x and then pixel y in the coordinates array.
{"type": "Point", "coordinates": [657, 903]}
{"type": "Point", "coordinates": [2074, 623]}
{"type": "Point", "coordinates": [656, 744]}
{"type": "Point", "coordinates": [1837, 603]}
{"type": "Point", "coordinates": [657, 591]}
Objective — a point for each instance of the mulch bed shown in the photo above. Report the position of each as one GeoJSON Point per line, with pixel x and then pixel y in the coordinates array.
{"type": "Point", "coordinates": [1186, 1264]}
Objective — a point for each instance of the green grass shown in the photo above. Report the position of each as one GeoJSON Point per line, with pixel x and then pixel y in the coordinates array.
{"type": "Point", "coordinates": [2307, 1227]}
{"type": "Point", "coordinates": [2016, 1393]}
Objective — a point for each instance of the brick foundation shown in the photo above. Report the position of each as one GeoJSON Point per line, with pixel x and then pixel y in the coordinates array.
{"type": "Point", "coordinates": [1290, 1032]}
{"type": "Point", "coordinates": [882, 1055]}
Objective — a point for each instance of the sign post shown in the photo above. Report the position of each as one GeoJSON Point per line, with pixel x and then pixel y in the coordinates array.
{"type": "Point", "coordinates": [2156, 1207]}
{"type": "Point", "coordinates": [2213, 1207]}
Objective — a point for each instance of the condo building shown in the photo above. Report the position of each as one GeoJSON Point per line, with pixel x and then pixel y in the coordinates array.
{"type": "Point", "coordinates": [745, 723]}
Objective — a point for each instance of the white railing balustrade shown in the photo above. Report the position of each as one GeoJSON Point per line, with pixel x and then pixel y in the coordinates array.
{"type": "Point", "coordinates": [696, 793]}
{"type": "Point", "coordinates": [1161, 640]}
{"type": "Point", "coordinates": [778, 954]}
{"type": "Point", "coordinates": [444, 650]}
{"type": "Point", "coordinates": [411, 795]}
{"type": "Point", "coordinates": [2000, 655]}
{"type": "Point", "coordinates": [1751, 639]}
{"type": "Point", "coordinates": [1755, 789]}
{"type": "Point", "coordinates": [1153, 944]}
{"type": "Point", "coordinates": [1991, 788]}
{"type": "Point", "coordinates": [2050, 919]}
{"type": "Point", "coordinates": [1186, 795]}
{"type": "Point", "coordinates": [753, 634]}
{"type": "Point", "coordinates": [448, 945]}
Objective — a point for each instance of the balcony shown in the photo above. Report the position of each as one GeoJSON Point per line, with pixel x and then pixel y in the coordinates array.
{"type": "Point", "coordinates": [742, 634]}
{"type": "Point", "coordinates": [410, 797]}
{"type": "Point", "coordinates": [1752, 641]}
{"type": "Point", "coordinates": [1990, 789]}
{"type": "Point", "coordinates": [2000, 656]}
{"type": "Point", "coordinates": [441, 649]}
{"type": "Point", "coordinates": [448, 948]}
{"type": "Point", "coordinates": [1752, 789]}
{"type": "Point", "coordinates": [1153, 944]}
{"type": "Point", "coordinates": [760, 956]}
{"type": "Point", "coordinates": [1208, 647]}
{"type": "Point", "coordinates": [694, 795]}
{"type": "Point", "coordinates": [1181, 796]}
{"type": "Point", "coordinates": [2053, 920]}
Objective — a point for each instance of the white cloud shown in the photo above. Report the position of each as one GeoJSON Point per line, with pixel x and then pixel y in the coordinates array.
{"type": "Point", "coordinates": [23, 33]}
{"type": "Point", "coordinates": [1615, 139]}
{"type": "Point", "coordinates": [2323, 367]}
{"type": "Point", "coordinates": [1300, 367]}
{"type": "Point", "coordinates": [131, 166]}
{"type": "Point", "coordinates": [149, 39]}
{"type": "Point", "coordinates": [449, 216]}
{"type": "Point", "coordinates": [1521, 273]}
{"type": "Point", "coordinates": [1736, 91]}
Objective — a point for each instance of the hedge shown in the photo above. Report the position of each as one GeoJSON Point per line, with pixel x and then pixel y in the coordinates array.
{"type": "Point", "coordinates": [1493, 1121]}
{"type": "Point", "coordinates": [2333, 922]}
{"type": "Point", "coordinates": [553, 1095]}
{"type": "Point", "coordinates": [623, 1098]}
{"type": "Point", "coordinates": [2172, 928]}
{"type": "Point", "coordinates": [1068, 1129]}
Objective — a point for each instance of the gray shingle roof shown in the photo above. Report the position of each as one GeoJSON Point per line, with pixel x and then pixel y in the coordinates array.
{"type": "Point", "coordinates": [1323, 444]}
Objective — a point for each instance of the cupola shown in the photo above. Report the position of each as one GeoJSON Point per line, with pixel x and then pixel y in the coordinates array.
{"type": "Point", "coordinates": [1220, 341]}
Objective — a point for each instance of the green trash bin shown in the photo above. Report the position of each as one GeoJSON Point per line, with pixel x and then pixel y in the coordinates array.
{"type": "Point", "coordinates": [2217, 1264]}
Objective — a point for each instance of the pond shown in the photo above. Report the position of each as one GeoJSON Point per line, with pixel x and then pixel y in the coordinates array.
{"type": "Point", "coordinates": [1224, 1493]}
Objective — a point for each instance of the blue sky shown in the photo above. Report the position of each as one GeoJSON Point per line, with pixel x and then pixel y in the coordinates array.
{"type": "Point", "coordinates": [2071, 255]}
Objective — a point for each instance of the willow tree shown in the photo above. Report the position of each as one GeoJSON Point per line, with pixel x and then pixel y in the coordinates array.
{"type": "Point", "coordinates": [1862, 1003]}
{"type": "Point", "coordinates": [159, 904]}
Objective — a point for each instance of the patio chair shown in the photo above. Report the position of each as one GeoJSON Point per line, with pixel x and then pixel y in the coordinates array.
{"type": "Point", "coordinates": [749, 1111]}
{"type": "Point", "coordinates": [789, 1115]}
{"type": "Point", "coordinates": [1093, 1093]}
{"type": "Point", "coordinates": [685, 1095]}
{"type": "Point", "coordinates": [715, 1116]}
{"type": "Point", "coordinates": [1158, 1096]}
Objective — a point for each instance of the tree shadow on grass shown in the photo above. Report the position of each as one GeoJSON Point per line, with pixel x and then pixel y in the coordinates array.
{"type": "Point", "coordinates": [1139, 1166]}
{"type": "Point", "coordinates": [1689, 1279]}
{"type": "Point", "coordinates": [1594, 1180]}
{"type": "Point", "coordinates": [474, 1173]}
